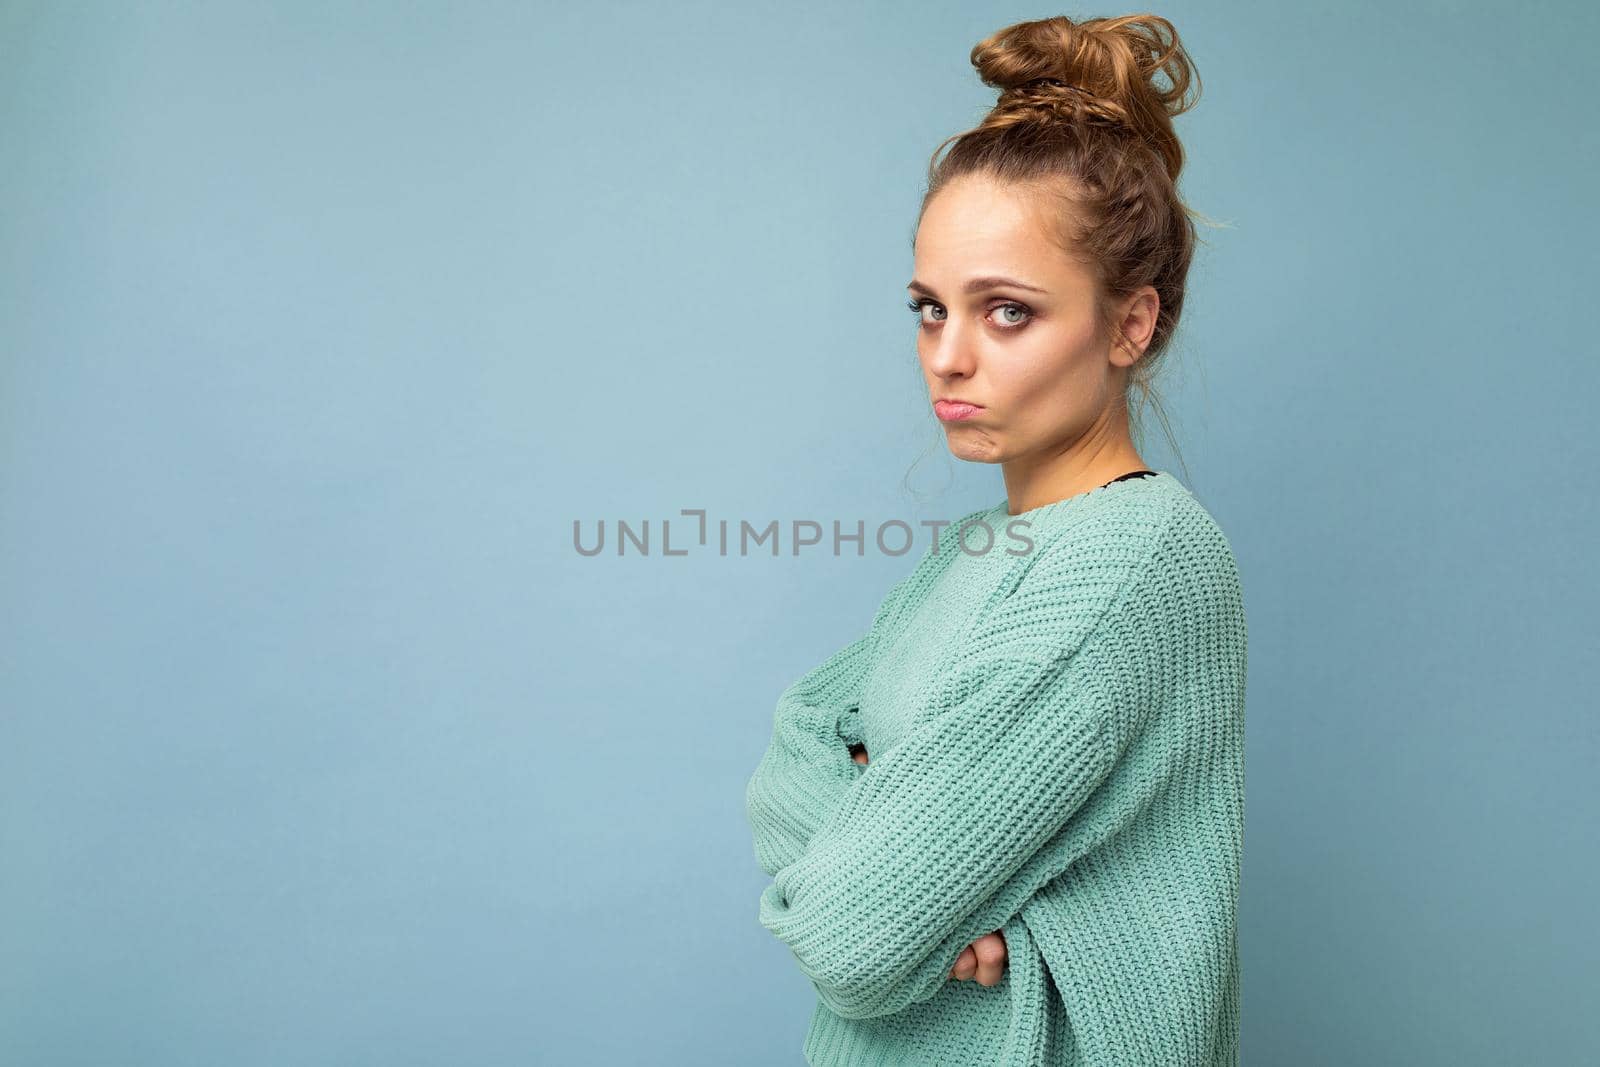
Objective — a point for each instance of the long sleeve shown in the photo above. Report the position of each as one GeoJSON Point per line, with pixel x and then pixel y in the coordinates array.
{"type": "Point", "coordinates": [943, 837]}
{"type": "Point", "coordinates": [807, 767]}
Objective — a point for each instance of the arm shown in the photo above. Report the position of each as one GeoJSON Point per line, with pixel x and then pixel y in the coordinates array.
{"type": "Point", "coordinates": [807, 766]}
{"type": "Point", "coordinates": [940, 839]}
{"type": "Point", "coordinates": [874, 910]}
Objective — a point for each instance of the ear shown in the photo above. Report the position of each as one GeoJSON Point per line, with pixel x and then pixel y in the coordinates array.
{"type": "Point", "coordinates": [1136, 325]}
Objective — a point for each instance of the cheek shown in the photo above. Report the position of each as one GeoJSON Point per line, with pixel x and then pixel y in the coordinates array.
{"type": "Point", "coordinates": [1053, 369]}
{"type": "Point", "coordinates": [1050, 389]}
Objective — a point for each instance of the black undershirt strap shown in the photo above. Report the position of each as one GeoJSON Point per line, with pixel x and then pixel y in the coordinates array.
{"type": "Point", "coordinates": [1130, 474]}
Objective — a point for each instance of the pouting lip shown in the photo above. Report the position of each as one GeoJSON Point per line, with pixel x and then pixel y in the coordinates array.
{"type": "Point", "coordinates": [953, 400]}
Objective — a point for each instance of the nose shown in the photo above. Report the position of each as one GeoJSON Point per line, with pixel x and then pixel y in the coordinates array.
{"type": "Point", "coordinates": [949, 353]}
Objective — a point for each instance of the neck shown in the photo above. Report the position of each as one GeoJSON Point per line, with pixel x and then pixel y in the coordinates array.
{"type": "Point", "coordinates": [1034, 482]}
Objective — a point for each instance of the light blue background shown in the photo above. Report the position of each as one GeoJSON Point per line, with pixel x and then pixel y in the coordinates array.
{"type": "Point", "coordinates": [322, 323]}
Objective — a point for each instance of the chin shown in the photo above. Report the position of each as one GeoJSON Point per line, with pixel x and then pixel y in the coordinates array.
{"type": "Point", "coordinates": [973, 446]}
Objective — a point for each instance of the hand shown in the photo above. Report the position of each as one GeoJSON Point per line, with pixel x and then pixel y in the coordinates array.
{"type": "Point", "coordinates": [984, 959]}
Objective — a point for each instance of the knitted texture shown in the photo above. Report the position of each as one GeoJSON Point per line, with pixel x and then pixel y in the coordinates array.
{"type": "Point", "coordinates": [1056, 746]}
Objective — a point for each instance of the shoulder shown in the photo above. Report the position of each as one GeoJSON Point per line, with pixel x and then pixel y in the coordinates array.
{"type": "Point", "coordinates": [1076, 560]}
{"type": "Point", "coordinates": [1129, 535]}
{"type": "Point", "coordinates": [1184, 610]}
{"type": "Point", "coordinates": [1102, 530]}
{"type": "Point", "coordinates": [1194, 552]}
{"type": "Point", "coordinates": [1115, 560]}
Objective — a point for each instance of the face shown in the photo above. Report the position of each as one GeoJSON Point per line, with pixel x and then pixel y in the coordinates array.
{"type": "Point", "coordinates": [1007, 323]}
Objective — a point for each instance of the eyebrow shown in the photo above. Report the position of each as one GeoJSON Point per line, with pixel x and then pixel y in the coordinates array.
{"type": "Point", "coordinates": [978, 285]}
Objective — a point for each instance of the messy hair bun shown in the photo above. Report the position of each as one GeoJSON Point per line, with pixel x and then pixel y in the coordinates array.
{"type": "Point", "coordinates": [1081, 114]}
{"type": "Point", "coordinates": [1097, 72]}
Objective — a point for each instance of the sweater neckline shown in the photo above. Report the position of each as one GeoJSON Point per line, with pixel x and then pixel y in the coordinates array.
{"type": "Point", "coordinates": [1120, 484]}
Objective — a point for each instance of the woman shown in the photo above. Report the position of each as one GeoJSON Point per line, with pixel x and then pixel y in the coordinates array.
{"type": "Point", "coordinates": [1029, 771]}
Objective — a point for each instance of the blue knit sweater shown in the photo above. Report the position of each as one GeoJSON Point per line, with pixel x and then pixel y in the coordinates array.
{"type": "Point", "coordinates": [1056, 738]}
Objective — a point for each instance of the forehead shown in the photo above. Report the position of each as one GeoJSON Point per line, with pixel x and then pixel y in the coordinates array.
{"type": "Point", "coordinates": [976, 226]}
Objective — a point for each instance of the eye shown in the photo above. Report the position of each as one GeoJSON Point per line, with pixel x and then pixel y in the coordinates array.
{"type": "Point", "coordinates": [1013, 323]}
{"type": "Point", "coordinates": [1022, 312]}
